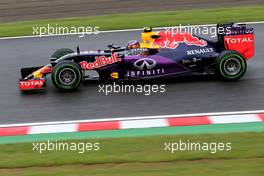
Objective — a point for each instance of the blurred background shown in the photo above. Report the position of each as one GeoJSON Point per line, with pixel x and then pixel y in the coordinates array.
{"type": "Point", "coordinates": [21, 10]}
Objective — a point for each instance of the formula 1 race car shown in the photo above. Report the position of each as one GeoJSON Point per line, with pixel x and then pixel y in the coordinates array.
{"type": "Point", "coordinates": [160, 54]}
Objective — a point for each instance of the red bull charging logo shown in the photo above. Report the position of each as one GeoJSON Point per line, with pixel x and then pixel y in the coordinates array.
{"type": "Point", "coordinates": [171, 40]}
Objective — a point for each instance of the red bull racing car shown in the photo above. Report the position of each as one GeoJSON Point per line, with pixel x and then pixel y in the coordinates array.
{"type": "Point", "coordinates": [160, 54]}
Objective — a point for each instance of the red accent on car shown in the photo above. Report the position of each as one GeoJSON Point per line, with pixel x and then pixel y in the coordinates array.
{"type": "Point", "coordinates": [243, 43]}
{"type": "Point", "coordinates": [100, 62]}
{"type": "Point", "coordinates": [172, 40]}
{"type": "Point", "coordinates": [46, 70]}
{"type": "Point", "coordinates": [32, 84]}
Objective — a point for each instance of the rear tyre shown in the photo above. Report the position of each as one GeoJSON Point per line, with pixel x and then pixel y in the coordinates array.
{"type": "Point", "coordinates": [231, 65]}
{"type": "Point", "coordinates": [61, 52]}
{"type": "Point", "coordinates": [67, 76]}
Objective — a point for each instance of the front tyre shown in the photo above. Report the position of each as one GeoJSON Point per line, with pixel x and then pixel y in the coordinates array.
{"type": "Point", "coordinates": [61, 52]}
{"type": "Point", "coordinates": [231, 65]}
{"type": "Point", "coordinates": [67, 76]}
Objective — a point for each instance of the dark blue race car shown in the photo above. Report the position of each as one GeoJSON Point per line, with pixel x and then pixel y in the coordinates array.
{"type": "Point", "coordinates": [161, 54]}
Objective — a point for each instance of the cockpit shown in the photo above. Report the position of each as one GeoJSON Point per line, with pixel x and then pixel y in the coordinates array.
{"type": "Point", "coordinates": [134, 47]}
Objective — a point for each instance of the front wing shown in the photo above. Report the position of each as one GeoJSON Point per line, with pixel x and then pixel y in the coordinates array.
{"type": "Point", "coordinates": [33, 78]}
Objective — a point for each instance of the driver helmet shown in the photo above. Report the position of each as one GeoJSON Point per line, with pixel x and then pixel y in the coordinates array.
{"type": "Point", "coordinates": [134, 44]}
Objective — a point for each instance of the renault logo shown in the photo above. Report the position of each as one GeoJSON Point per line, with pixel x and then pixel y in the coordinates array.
{"type": "Point", "coordinates": [145, 62]}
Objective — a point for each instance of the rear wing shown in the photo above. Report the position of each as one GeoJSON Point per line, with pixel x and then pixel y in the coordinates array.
{"type": "Point", "coordinates": [237, 37]}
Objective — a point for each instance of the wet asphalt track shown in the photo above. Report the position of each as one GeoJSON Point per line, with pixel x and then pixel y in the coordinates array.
{"type": "Point", "coordinates": [192, 95]}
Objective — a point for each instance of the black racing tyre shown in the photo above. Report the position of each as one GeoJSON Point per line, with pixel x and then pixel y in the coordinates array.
{"type": "Point", "coordinates": [231, 65]}
{"type": "Point", "coordinates": [61, 52]}
{"type": "Point", "coordinates": [67, 76]}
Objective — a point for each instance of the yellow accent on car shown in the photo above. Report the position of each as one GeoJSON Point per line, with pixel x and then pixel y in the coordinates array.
{"type": "Point", "coordinates": [39, 73]}
{"type": "Point", "coordinates": [114, 75]}
{"type": "Point", "coordinates": [147, 40]}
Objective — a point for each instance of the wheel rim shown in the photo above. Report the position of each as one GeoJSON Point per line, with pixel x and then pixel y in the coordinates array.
{"type": "Point", "coordinates": [67, 76]}
{"type": "Point", "coordinates": [232, 66]}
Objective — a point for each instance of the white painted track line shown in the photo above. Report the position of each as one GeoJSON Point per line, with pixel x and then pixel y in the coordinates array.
{"type": "Point", "coordinates": [149, 123]}
{"type": "Point", "coordinates": [135, 118]}
{"type": "Point", "coordinates": [244, 118]}
{"type": "Point", "coordinates": [113, 31]}
{"type": "Point", "coordinates": [53, 128]}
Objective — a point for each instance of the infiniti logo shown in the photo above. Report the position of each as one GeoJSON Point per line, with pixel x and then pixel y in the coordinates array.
{"type": "Point", "coordinates": [145, 62]}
